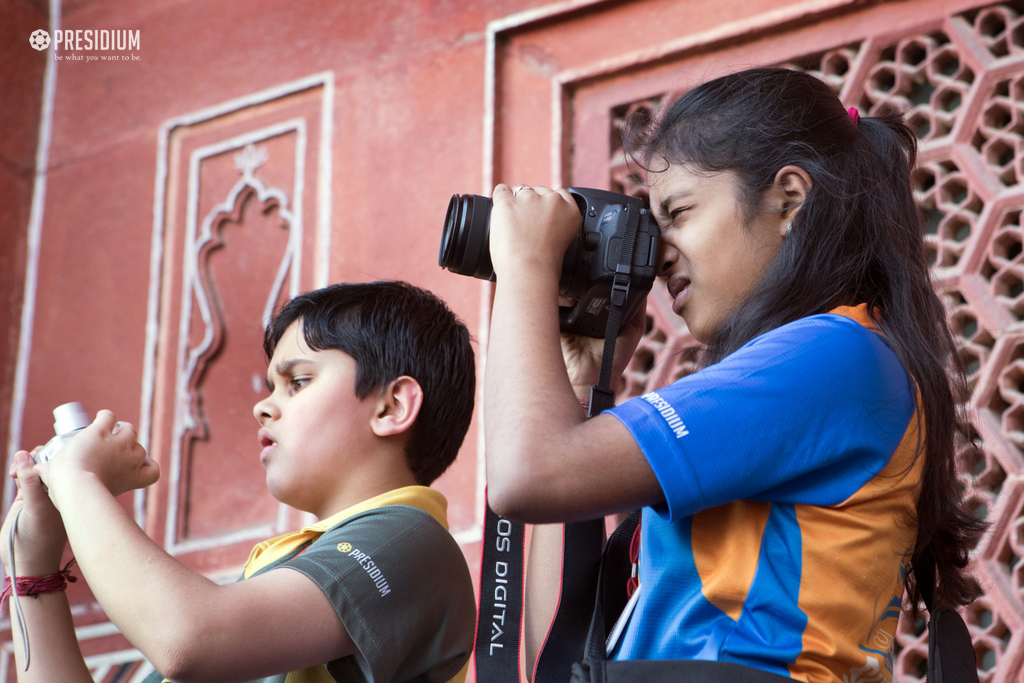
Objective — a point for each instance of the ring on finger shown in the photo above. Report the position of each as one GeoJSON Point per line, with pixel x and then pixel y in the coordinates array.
{"type": "Point", "coordinates": [517, 188]}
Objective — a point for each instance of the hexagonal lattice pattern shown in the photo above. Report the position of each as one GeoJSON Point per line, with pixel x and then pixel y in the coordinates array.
{"type": "Point", "coordinates": [950, 206]}
{"type": "Point", "coordinates": [969, 185]}
{"type": "Point", "coordinates": [923, 76]}
{"type": "Point", "coordinates": [831, 66]}
{"type": "Point", "coordinates": [974, 340]}
{"type": "Point", "coordinates": [999, 28]}
{"type": "Point", "coordinates": [1003, 265]}
{"type": "Point", "coordinates": [997, 136]}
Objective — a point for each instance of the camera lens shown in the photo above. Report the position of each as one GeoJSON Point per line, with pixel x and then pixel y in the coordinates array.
{"type": "Point", "coordinates": [465, 242]}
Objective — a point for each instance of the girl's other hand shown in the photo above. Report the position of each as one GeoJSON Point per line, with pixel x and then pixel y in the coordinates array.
{"type": "Point", "coordinates": [582, 354]}
{"type": "Point", "coordinates": [40, 537]}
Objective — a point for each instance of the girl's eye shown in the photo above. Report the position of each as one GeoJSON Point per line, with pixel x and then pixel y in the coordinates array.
{"type": "Point", "coordinates": [675, 213]}
{"type": "Point", "coordinates": [297, 383]}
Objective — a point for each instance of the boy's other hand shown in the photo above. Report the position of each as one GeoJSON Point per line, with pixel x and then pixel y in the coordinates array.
{"type": "Point", "coordinates": [41, 538]}
{"type": "Point", "coordinates": [107, 449]}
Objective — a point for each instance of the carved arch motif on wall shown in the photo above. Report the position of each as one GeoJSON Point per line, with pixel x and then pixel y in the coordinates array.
{"type": "Point", "coordinates": [238, 184]}
{"type": "Point", "coordinates": [192, 427]}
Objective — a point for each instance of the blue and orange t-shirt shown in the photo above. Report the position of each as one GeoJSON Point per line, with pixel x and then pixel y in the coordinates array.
{"type": "Point", "coordinates": [791, 484]}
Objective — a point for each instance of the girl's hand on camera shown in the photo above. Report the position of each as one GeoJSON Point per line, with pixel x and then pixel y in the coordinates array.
{"type": "Point", "coordinates": [582, 354]}
{"type": "Point", "coordinates": [106, 449]}
{"type": "Point", "coordinates": [40, 538]}
{"type": "Point", "coordinates": [532, 225]}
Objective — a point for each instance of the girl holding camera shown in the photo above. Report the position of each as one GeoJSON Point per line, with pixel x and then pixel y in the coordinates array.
{"type": "Point", "coordinates": [793, 487]}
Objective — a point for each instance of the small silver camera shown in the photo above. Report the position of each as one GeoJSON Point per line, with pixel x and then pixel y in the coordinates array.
{"type": "Point", "coordinates": [68, 419]}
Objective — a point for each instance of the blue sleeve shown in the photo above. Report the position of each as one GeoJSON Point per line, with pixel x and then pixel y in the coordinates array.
{"type": "Point", "coordinates": [806, 413]}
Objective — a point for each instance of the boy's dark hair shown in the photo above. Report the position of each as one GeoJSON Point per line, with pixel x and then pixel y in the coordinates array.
{"type": "Point", "coordinates": [857, 238]}
{"type": "Point", "coordinates": [393, 329]}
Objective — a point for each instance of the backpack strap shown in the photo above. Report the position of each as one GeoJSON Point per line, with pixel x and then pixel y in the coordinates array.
{"type": "Point", "coordinates": [581, 559]}
{"type": "Point", "coordinates": [951, 656]}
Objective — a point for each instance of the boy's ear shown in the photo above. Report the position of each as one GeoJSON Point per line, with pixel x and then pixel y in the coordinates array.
{"type": "Point", "coordinates": [398, 407]}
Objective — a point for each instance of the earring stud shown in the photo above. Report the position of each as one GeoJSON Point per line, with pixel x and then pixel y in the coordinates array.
{"type": "Point", "coordinates": [789, 227]}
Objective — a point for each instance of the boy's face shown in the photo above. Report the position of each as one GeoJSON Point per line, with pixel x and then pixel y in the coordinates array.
{"type": "Point", "coordinates": [314, 428]}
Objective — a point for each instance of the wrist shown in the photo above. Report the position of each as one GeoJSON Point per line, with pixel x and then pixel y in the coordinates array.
{"type": "Point", "coordinates": [37, 555]}
{"type": "Point", "coordinates": [35, 584]}
{"type": "Point", "coordinates": [67, 481]}
{"type": "Point", "coordinates": [26, 566]}
{"type": "Point", "coordinates": [531, 269]}
{"type": "Point", "coordinates": [582, 392]}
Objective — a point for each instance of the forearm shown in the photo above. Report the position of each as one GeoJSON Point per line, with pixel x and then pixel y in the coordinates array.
{"type": "Point", "coordinates": [529, 405]}
{"type": "Point", "coordinates": [543, 581]}
{"type": "Point", "coordinates": [545, 461]}
{"type": "Point", "coordinates": [54, 655]}
{"type": "Point", "coordinates": [149, 595]}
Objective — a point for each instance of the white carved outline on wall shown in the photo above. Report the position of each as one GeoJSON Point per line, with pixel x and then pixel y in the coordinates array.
{"type": "Point", "coordinates": [189, 360]}
{"type": "Point", "coordinates": [323, 80]}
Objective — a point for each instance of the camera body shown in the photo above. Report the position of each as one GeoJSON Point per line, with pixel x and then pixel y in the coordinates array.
{"type": "Point", "coordinates": [591, 271]}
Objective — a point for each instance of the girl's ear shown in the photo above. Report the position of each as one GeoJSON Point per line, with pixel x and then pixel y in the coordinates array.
{"type": "Point", "coordinates": [398, 407]}
{"type": "Point", "coordinates": [790, 189]}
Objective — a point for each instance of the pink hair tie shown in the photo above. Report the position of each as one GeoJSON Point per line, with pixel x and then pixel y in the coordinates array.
{"type": "Point", "coordinates": [854, 115]}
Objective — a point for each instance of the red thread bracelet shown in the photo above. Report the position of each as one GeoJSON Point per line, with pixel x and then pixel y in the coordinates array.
{"type": "Point", "coordinates": [35, 585]}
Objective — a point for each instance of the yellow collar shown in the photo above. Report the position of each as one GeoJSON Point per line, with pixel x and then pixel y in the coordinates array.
{"type": "Point", "coordinates": [425, 498]}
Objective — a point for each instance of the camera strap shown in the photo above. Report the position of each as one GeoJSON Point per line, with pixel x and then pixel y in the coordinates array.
{"type": "Point", "coordinates": [602, 397]}
{"type": "Point", "coordinates": [499, 620]}
{"type": "Point", "coordinates": [500, 615]}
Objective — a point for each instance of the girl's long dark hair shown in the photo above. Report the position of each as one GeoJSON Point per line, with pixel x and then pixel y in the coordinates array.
{"type": "Point", "coordinates": [855, 239]}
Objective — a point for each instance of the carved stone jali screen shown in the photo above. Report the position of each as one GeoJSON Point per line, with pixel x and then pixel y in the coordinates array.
{"type": "Point", "coordinates": [957, 71]}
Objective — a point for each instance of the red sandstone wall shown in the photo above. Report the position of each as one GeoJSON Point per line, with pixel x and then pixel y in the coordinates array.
{"type": "Point", "coordinates": [402, 87]}
{"type": "Point", "coordinates": [21, 74]}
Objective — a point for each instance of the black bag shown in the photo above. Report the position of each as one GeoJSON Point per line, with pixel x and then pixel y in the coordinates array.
{"type": "Point", "coordinates": [951, 657]}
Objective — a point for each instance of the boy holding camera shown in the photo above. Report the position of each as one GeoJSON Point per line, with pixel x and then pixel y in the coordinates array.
{"type": "Point", "coordinates": [371, 394]}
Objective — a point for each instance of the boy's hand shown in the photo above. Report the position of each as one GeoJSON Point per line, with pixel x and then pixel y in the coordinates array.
{"type": "Point", "coordinates": [106, 449]}
{"type": "Point", "coordinates": [41, 538]}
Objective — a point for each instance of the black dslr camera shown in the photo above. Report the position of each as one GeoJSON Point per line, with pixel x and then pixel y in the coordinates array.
{"type": "Point", "coordinates": [591, 270]}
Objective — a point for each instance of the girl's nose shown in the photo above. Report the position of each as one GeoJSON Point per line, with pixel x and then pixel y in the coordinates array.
{"type": "Point", "coordinates": [668, 255]}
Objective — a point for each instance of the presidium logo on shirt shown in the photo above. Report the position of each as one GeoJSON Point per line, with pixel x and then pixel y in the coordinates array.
{"type": "Point", "coordinates": [675, 423]}
{"type": "Point", "coordinates": [367, 563]}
